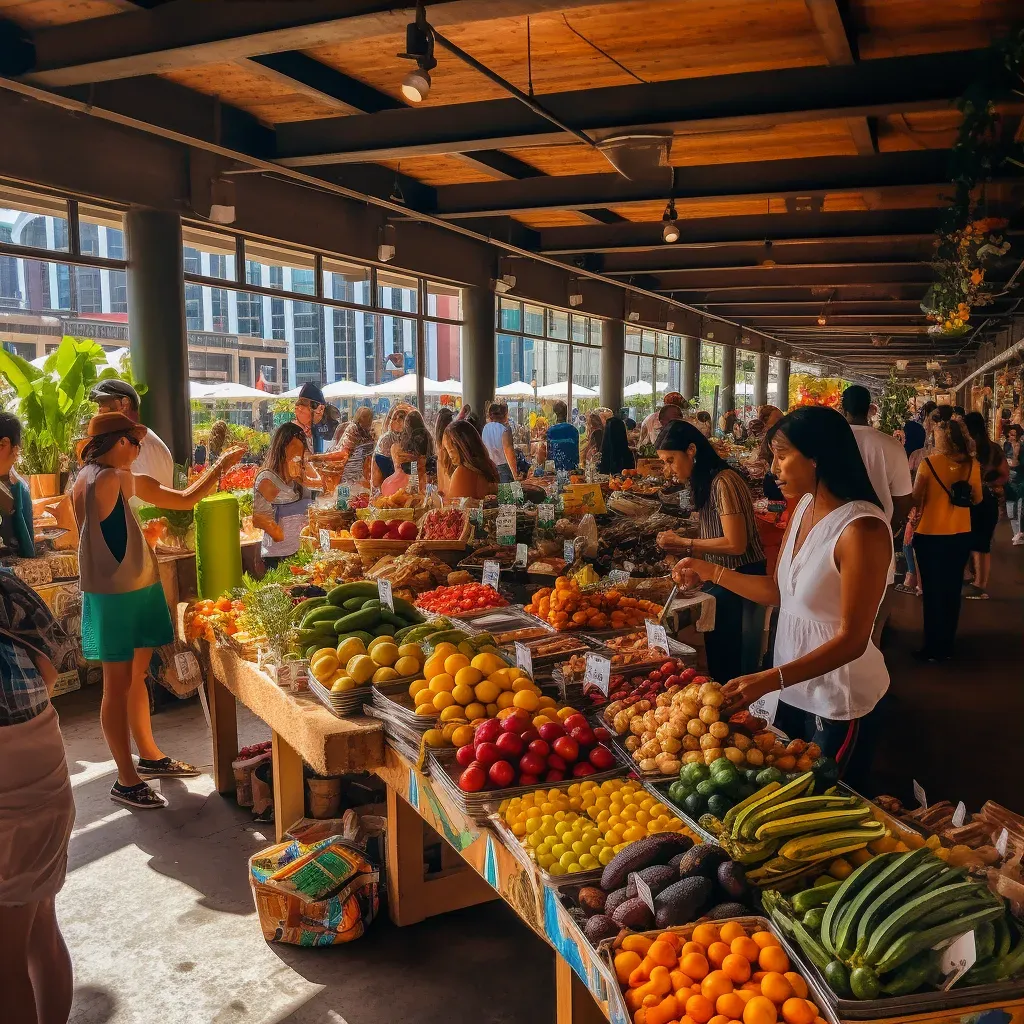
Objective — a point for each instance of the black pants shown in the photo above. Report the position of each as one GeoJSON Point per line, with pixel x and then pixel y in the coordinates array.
{"type": "Point", "coordinates": [836, 738]}
{"type": "Point", "coordinates": [941, 559]}
{"type": "Point", "coordinates": [734, 646]}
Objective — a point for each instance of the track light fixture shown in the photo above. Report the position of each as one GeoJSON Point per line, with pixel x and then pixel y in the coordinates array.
{"type": "Point", "coordinates": [766, 259]}
{"type": "Point", "coordinates": [575, 295]}
{"type": "Point", "coordinates": [670, 223]}
{"type": "Point", "coordinates": [822, 318]}
{"type": "Point", "coordinates": [419, 47]}
{"type": "Point", "coordinates": [506, 280]}
{"type": "Point", "coordinates": [386, 243]}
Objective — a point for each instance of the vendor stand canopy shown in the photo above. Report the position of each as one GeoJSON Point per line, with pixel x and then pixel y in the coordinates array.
{"type": "Point", "coordinates": [642, 388]}
{"type": "Point", "coordinates": [232, 392]}
{"type": "Point", "coordinates": [406, 385]}
{"type": "Point", "coordinates": [561, 390]}
{"type": "Point", "coordinates": [196, 390]}
{"type": "Point", "coordinates": [517, 389]}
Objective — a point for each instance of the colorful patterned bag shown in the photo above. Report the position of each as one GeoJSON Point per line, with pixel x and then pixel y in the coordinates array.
{"type": "Point", "coordinates": [318, 895]}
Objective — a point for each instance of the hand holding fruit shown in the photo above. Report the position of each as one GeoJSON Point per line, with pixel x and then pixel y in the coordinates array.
{"type": "Point", "coordinates": [744, 690]}
{"type": "Point", "coordinates": [669, 540]}
{"type": "Point", "coordinates": [687, 568]}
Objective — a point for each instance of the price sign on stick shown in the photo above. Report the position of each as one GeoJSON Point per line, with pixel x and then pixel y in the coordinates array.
{"type": "Point", "coordinates": [325, 540]}
{"type": "Point", "coordinates": [643, 890]}
{"type": "Point", "coordinates": [384, 592]}
{"type": "Point", "coordinates": [919, 794]}
{"type": "Point", "coordinates": [569, 552]}
{"type": "Point", "coordinates": [617, 576]}
{"type": "Point", "coordinates": [598, 672]}
{"type": "Point", "coordinates": [492, 571]}
{"type": "Point", "coordinates": [957, 959]}
{"type": "Point", "coordinates": [765, 707]}
{"type": "Point", "coordinates": [517, 490]}
{"type": "Point", "coordinates": [185, 665]}
{"type": "Point", "coordinates": [960, 814]}
{"type": "Point", "coordinates": [657, 635]}
{"type": "Point", "coordinates": [546, 513]}
{"type": "Point", "coordinates": [524, 658]}
{"type": "Point", "coordinates": [522, 554]}
{"type": "Point", "coordinates": [293, 675]}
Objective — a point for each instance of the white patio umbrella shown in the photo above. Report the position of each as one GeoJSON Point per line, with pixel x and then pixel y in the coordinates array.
{"type": "Point", "coordinates": [341, 389]}
{"type": "Point", "coordinates": [642, 388]}
{"type": "Point", "coordinates": [294, 393]}
{"type": "Point", "coordinates": [197, 390]}
{"type": "Point", "coordinates": [517, 389]}
{"type": "Point", "coordinates": [561, 390]}
{"type": "Point", "coordinates": [451, 386]}
{"type": "Point", "coordinates": [404, 385]}
{"type": "Point", "coordinates": [229, 391]}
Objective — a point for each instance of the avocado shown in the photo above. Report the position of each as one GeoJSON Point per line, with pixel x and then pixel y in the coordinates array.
{"type": "Point", "coordinates": [732, 879]}
{"type": "Point", "coordinates": [708, 788]}
{"type": "Point", "coordinates": [682, 902]}
{"type": "Point", "coordinates": [695, 805]}
{"type": "Point", "coordinates": [613, 899]}
{"type": "Point", "coordinates": [600, 927]}
{"type": "Point", "coordinates": [634, 914]}
{"type": "Point", "coordinates": [678, 792]}
{"type": "Point", "coordinates": [655, 849]}
{"type": "Point", "coordinates": [719, 805]}
{"type": "Point", "coordinates": [724, 910]}
{"type": "Point", "coordinates": [703, 859]}
{"type": "Point", "coordinates": [768, 775]}
{"type": "Point", "coordinates": [657, 876]}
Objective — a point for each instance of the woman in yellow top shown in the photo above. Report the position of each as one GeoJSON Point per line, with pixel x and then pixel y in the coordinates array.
{"type": "Point", "coordinates": [948, 483]}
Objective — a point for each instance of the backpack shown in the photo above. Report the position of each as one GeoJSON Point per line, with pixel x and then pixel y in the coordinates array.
{"type": "Point", "coordinates": [959, 492]}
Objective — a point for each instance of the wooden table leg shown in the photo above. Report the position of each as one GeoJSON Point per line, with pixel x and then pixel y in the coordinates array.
{"type": "Point", "coordinates": [573, 1003]}
{"type": "Point", "coordinates": [413, 896]}
{"type": "Point", "coordinates": [289, 786]}
{"type": "Point", "coordinates": [224, 727]}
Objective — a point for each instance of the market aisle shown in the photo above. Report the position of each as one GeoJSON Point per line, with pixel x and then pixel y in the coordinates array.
{"type": "Point", "coordinates": [956, 727]}
{"type": "Point", "coordinates": [159, 918]}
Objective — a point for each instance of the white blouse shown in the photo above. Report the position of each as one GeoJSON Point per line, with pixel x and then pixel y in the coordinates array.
{"type": "Point", "coordinates": [809, 616]}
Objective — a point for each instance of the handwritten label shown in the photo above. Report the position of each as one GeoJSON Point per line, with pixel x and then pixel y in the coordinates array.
{"type": "Point", "coordinates": [186, 666]}
{"type": "Point", "coordinates": [492, 571]}
{"type": "Point", "coordinates": [517, 490]}
{"type": "Point", "coordinates": [549, 466]}
{"type": "Point", "coordinates": [522, 554]}
{"type": "Point", "coordinates": [617, 576]}
{"type": "Point", "coordinates": [341, 497]}
{"type": "Point", "coordinates": [546, 513]}
{"type": "Point", "coordinates": [598, 672]}
{"type": "Point", "coordinates": [384, 593]}
{"type": "Point", "coordinates": [325, 540]}
{"type": "Point", "coordinates": [657, 635]}
{"type": "Point", "coordinates": [960, 814]}
{"type": "Point", "coordinates": [919, 794]}
{"type": "Point", "coordinates": [505, 524]}
{"type": "Point", "coordinates": [293, 675]}
{"type": "Point", "coordinates": [1003, 843]}
{"type": "Point", "coordinates": [643, 890]}
{"type": "Point", "coordinates": [569, 551]}
{"type": "Point", "coordinates": [958, 958]}
{"type": "Point", "coordinates": [765, 707]}
{"type": "Point", "coordinates": [628, 566]}
{"type": "Point", "coordinates": [524, 658]}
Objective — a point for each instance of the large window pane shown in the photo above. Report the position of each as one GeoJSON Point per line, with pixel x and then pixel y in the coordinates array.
{"type": "Point", "coordinates": [745, 369]}
{"type": "Point", "coordinates": [208, 253]}
{"type": "Point", "coordinates": [580, 334]}
{"type": "Point", "coordinates": [395, 291]}
{"type": "Point", "coordinates": [37, 222]}
{"type": "Point", "coordinates": [710, 378]}
{"type": "Point", "coordinates": [444, 301]}
{"type": "Point", "coordinates": [510, 315]}
{"type": "Point", "coordinates": [638, 385]}
{"type": "Point", "coordinates": [558, 324]}
{"type": "Point", "coordinates": [773, 385]}
{"type": "Point", "coordinates": [586, 377]}
{"type": "Point", "coordinates": [533, 320]}
{"type": "Point", "coordinates": [633, 338]}
{"type": "Point", "coordinates": [288, 269]}
{"type": "Point", "coordinates": [347, 282]}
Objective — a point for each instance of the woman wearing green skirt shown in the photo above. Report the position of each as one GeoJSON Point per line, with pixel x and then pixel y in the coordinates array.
{"type": "Point", "coordinates": [124, 613]}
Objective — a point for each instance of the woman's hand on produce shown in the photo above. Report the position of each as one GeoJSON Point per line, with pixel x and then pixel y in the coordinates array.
{"type": "Point", "coordinates": [685, 568]}
{"type": "Point", "coordinates": [230, 457]}
{"type": "Point", "coordinates": [669, 540]}
{"type": "Point", "coordinates": [744, 690]}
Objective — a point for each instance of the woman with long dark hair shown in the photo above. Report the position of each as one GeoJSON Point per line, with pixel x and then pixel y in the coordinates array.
{"type": "Point", "coordinates": [445, 415]}
{"type": "Point", "coordinates": [727, 537]}
{"type": "Point", "coordinates": [615, 453]}
{"type": "Point", "coordinates": [828, 583]}
{"type": "Point", "coordinates": [995, 472]}
{"type": "Point", "coordinates": [467, 465]}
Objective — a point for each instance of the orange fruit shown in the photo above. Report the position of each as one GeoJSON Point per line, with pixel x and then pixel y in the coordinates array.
{"type": "Point", "coordinates": [752, 986]}
{"type": "Point", "coordinates": [692, 947]}
{"type": "Point", "coordinates": [716, 984]}
{"type": "Point", "coordinates": [747, 948]}
{"type": "Point", "coordinates": [737, 967]}
{"type": "Point", "coordinates": [719, 1019]}
{"type": "Point", "coordinates": [686, 1019]}
{"type": "Point", "coordinates": [730, 1005]}
{"type": "Point", "coordinates": [765, 939]}
{"type": "Point", "coordinates": [700, 1009]}
{"type": "Point", "coordinates": [760, 1010]}
{"type": "Point", "coordinates": [758, 976]}
{"type": "Point", "coordinates": [717, 952]}
{"type": "Point", "coordinates": [696, 966]}
{"type": "Point", "coordinates": [731, 930]}
{"type": "Point", "coordinates": [797, 983]}
{"type": "Point", "coordinates": [705, 934]}
{"type": "Point", "coordinates": [775, 987]}
{"type": "Point", "coordinates": [746, 994]}
{"type": "Point", "coordinates": [797, 1011]}
{"type": "Point", "coordinates": [773, 958]}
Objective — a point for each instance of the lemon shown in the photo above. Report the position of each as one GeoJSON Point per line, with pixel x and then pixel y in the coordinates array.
{"type": "Point", "coordinates": [486, 691]}
{"type": "Point", "coordinates": [467, 675]}
{"type": "Point", "coordinates": [443, 700]}
{"type": "Point", "coordinates": [462, 735]}
{"type": "Point", "coordinates": [453, 713]}
{"type": "Point", "coordinates": [349, 648]}
{"type": "Point", "coordinates": [463, 694]}
{"type": "Point", "coordinates": [475, 711]}
{"type": "Point", "coordinates": [522, 683]}
{"type": "Point", "coordinates": [526, 700]}
{"type": "Point", "coordinates": [433, 666]}
{"type": "Point", "coordinates": [442, 650]}
{"type": "Point", "coordinates": [340, 683]}
{"type": "Point", "coordinates": [442, 683]}
{"type": "Point", "coordinates": [406, 666]}
{"type": "Point", "coordinates": [433, 738]}
{"type": "Point", "coordinates": [361, 668]}
{"type": "Point", "coordinates": [454, 662]}
{"type": "Point", "coordinates": [548, 702]}
{"type": "Point", "coordinates": [426, 711]}
{"type": "Point", "coordinates": [417, 685]}
{"type": "Point", "coordinates": [504, 701]}
{"type": "Point", "coordinates": [564, 713]}
{"type": "Point", "coordinates": [492, 710]}
{"type": "Point", "coordinates": [501, 677]}
{"type": "Point", "coordinates": [385, 675]}
{"type": "Point", "coordinates": [410, 651]}
{"type": "Point", "coordinates": [487, 663]}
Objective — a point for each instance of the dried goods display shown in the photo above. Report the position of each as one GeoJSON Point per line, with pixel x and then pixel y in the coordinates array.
{"type": "Point", "coordinates": [400, 499]}
{"type": "Point", "coordinates": [411, 573]}
{"type": "Point", "coordinates": [464, 597]}
{"type": "Point", "coordinates": [503, 554]}
{"type": "Point", "coordinates": [566, 607]}
{"type": "Point", "coordinates": [329, 568]}
{"type": "Point", "coordinates": [443, 524]}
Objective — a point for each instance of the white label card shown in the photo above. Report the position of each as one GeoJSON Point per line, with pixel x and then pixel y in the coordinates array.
{"type": "Point", "coordinates": [524, 658]}
{"type": "Point", "coordinates": [1003, 843]}
{"type": "Point", "coordinates": [643, 890]}
{"type": "Point", "coordinates": [185, 665]}
{"type": "Point", "coordinates": [549, 466]}
{"type": "Point", "coordinates": [598, 672]}
{"type": "Point", "coordinates": [958, 958]}
{"type": "Point", "coordinates": [325, 540]}
{"type": "Point", "coordinates": [293, 674]}
{"type": "Point", "coordinates": [617, 576]}
{"type": "Point", "coordinates": [546, 513]}
{"type": "Point", "coordinates": [517, 490]}
{"type": "Point", "coordinates": [569, 551]}
{"type": "Point", "coordinates": [628, 566]}
{"type": "Point", "coordinates": [522, 555]}
{"type": "Point", "coordinates": [657, 636]}
{"type": "Point", "coordinates": [492, 571]}
{"type": "Point", "coordinates": [919, 794]}
{"type": "Point", "coordinates": [765, 707]}
{"type": "Point", "coordinates": [384, 593]}
{"type": "Point", "coordinates": [960, 814]}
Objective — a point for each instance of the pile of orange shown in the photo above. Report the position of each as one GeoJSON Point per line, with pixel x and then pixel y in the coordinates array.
{"type": "Point", "coordinates": [565, 606]}
{"type": "Point", "coordinates": [720, 975]}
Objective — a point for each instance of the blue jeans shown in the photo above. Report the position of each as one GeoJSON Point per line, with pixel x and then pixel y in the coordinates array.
{"type": "Point", "coordinates": [908, 554]}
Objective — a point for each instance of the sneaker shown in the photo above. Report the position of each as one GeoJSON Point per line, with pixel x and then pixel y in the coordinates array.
{"type": "Point", "coordinates": [140, 796]}
{"type": "Point", "coordinates": [976, 594]}
{"type": "Point", "coordinates": [1018, 540]}
{"type": "Point", "coordinates": [166, 768]}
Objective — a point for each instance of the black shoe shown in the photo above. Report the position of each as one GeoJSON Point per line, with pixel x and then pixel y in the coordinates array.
{"type": "Point", "coordinates": [140, 796]}
{"type": "Point", "coordinates": [166, 768]}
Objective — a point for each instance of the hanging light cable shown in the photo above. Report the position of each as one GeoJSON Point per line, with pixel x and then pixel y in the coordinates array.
{"type": "Point", "coordinates": [670, 223]}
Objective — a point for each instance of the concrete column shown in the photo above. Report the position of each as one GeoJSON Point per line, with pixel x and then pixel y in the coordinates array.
{"type": "Point", "coordinates": [156, 315]}
{"type": "Point", "coordinates": [782, 396]}
{"type": "Point", "coordinates": [691, 368]}
{"type": "Point", "coordinates": [727, 392]}
{"type": "Point", "coordinates": [478, 380]}
{"type": "Point", "coordinates": [613, 354]}
{"type": "Point", "coordinates": [761, 379]}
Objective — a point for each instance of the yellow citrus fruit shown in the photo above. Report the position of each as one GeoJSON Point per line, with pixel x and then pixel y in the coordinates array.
{"type": "Point", "coordinates": [526, 699]}
{"type": "Point", "coordinates": [492, 710]}
{"type": "Point", "coordinates": [443, 700]}
{"type": "Point", "coordinates": [453, 713]}
{"type": "Point", "coordinates": [443, 650]}
{"type": "Point", "coordinates": [522, 683]}
{"type": "Point", "coordinates": [426, 711]}
{"type": "Point", "coordinates": [564, 713]}
{"type": "Point", "coordinates": [475, 711]}
{"type": "Point", "coordinates": [443, 682]}
{"type": "Point", "coordinates": [406, 666]}
{"type": "Point", "coordinates": [504, 700]}
{"type": "Point", "coordinates": [487, 663]}
{"type": "Point", "coordinates": [462, 735]}
{"type": "Point", "coordinates": [417, 685]}
{"type": "Point", "coordinates": [385, 674]}
{"type": "Point", "coordinates": [408, 650]}
{"type": "Point", "coordinates": [541, 720]}
{"type": "Point", "coordinates": [505, 712]}
{"type": "Point", "coordinates": [385, 654]}
{"type": "Point", "coordinates": [434, 666]}
{"type": "Point", "coordinates": [501, 677]}
{"type": "Point", "coordinates": [454, 662]}
{"type": "Point", "coordinates": [487, 691]}
{"type": "Point", "coordinates": [433, 738]}
{"type": "Point", "coordinates": [548, 702]}
{"type": "Point", "coordinates": [463, 694]}
{"type": "Point", "coordinates": [468, 676]}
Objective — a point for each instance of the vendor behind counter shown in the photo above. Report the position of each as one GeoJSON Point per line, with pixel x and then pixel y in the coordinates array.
{"type": "Point", "coordinates": [16, 530]}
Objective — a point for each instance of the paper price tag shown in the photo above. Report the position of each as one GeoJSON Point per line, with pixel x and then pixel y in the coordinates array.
{"type": "Point", "coordinates": [819, 725]}
{"type": "Point", "coordinates": [325, 540]}
{"type": "Point", "coordinates": [643, 890]}
{"type": "Point", "coordinates": [628, 566]}
{"type": "Point", "coordinates": [522, 555]}
{"type": "Point", "coordinates": [1003, 843]}
{"type": "Point", "coordinates": [293, 675]}
{"type": "Point", "coordinates": [384, 592]}
{"type": "Point", "coordinates": [657, 635]}
{"type": "Point", "coordinates": [919, 794]}
{"type": "Point", "coordinates": [549, 466]}
{"type": "Point", "coordinates": [185, 665]}
{"type": "Point", "coordinates": [958, 958]}
{"type": "Point", "coordinates": [765, 707]}
{"type": "Point", "coordinates": [492, 571]}
{"type": "Point", "coordinates": [598, 672]}
{"type": "Point", "coordinates": [524, 658]}
{"type": "Point", "coordinates": [960, 814]}
{"type": "Point", "coordinates": [517, 490]}
{"type": "Point", "coordinates": [569, 551]}
{"type": "Point", "coordinates": [546, 513]}
{"type": "Point", "coordinates": [617, 576]}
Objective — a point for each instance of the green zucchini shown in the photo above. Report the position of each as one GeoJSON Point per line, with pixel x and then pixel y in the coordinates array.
{"type": "Point", "coordinates": [985, 940]}
{"type": "Point", "coordinates": [911, 943]}
{"type": "Point", "coordinates": [361, 620]}
{"type": "Point", "coordinates": [948, 911]}
{"type": "Point", "coordinates": [310, 651]}
{"type": "Point", "coordinates": [812, 949]}
{"type": "Point", "coordinates": [816, 896]}
{"type": "Point", "coordinates": [328, 613]}
{"type": "Point", "coordinates": [393, 619]}
{"type": "Point", "coordinates": [864, 983]}
{"type": "Point", "coordinates": [912, 975]}
{"type": "Point", "coordinates": [838, 978]}
{"type": "Point", "coordinates": [901, 890]}
{"type": "Point", "coordinates": [353, 604]}
{"type": "Point", "coordinates": [408, 611]}
{"type": "Point", "coordinates": [371, 604]}
{"type": "Point", "coordinates": [385, 629]}
{"type": "Point", "coordinates": [730, 815]}
{"type": "Point", "coordinates": [361, 588]}
{"type": "Point", "coordinates": [741, 826]}
{"type": "Point", "coordinates": [303, 608]}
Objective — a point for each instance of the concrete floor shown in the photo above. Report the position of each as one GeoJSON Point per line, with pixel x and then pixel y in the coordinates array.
{"type": "Point", "coordinates": [159, 918]}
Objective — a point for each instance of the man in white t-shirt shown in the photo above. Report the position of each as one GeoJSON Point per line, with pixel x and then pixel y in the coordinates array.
{"type": "Point", "coordinates": [154, 457]}
{"type": "Point", "coordinates": [674, 408]}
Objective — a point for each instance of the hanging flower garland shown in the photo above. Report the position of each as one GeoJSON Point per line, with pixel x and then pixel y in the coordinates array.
{"type": "Point", "coordinates": [967, 243]}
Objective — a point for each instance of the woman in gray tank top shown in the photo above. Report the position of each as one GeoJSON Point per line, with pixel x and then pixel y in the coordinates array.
{"type": "Point", "coordinates": [124, 612]}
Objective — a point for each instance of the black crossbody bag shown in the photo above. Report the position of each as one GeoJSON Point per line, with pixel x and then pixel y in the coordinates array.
{"type": "Point", "coordinates": [959, 492]}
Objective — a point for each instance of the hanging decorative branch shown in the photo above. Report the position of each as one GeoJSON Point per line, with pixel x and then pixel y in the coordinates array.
{"type": "Point", "coordinates": [967, 243]}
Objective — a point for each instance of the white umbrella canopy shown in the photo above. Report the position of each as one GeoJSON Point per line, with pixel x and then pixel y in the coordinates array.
{"type": "Point", "coordinates": [197, 390]}
{"type": "Point", "coordinates": [340, 389]}
{"type": "Point", "coordinates": [451, 386]}
{"type": "Point", "coordinates": [642, 388]}
{"type": "Point", "coordinates": [232, 392]}
{"type": "Point", "coordinates": [404, 385]}
{"type": "Point", "coordinates": [517, 389]}
{"type": "Point", "coordinates": [561, 390]}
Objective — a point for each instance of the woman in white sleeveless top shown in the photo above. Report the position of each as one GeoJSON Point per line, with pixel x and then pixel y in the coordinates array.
{"type": "Point", "coordinates": [828, 582]}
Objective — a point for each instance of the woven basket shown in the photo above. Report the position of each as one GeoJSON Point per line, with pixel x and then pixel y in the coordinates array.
{"type": "Point", "coordinates": [371, 550]}
{"type": "Point", "coordinates": [387, 514]}
{"type": "Point", "coordinates": [329, 519]}
{"type": "Point", "coordinates": [458, 544]}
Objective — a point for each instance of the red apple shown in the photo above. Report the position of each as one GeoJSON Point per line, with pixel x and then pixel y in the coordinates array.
{"type": "Point", "coordinates": [539, 747]}
{"type": "Point", "coordinates": [565, 747]}
{"type": "Point", "coordinates": [654, 677]}
{"type": "Point", "coordinates": [687, 675]}
{"type": "Point", "coordinates": [554, 776]}
{"type": "Point", "coordinates": [601, 734]}
{"type": "Point", "coordinates": [488, 731]}
{"type": "Point", "coordinates": [700, 680]}
{"type": "Point", "coordinates": [360, 529]}
{"type": "Point", "coordinates": [668, 668]}
{"type": "Point", "coordinates": [473, 779]}
{"type": "Point", "coordinates": [532, 764]}
{"type": "Point", "coordinates": [487, 753]}
{"type": "Point", "coordinates": [526, 779]}
{"type": "Point", "coordinates": [378, 529]}
{"type": "Point", "coordinates": [513, 723]}
{"type": "Point", "coordinates": [395, 530]}
{"type": "Point", "coordinates": [466, 755]}
{"type": "Point", "coordinates": [510, 745]}
{"type": "Point", "coordinates": [673, 680]}
{"type": "Point", "coordinates": [583, 768]}
{"type": "Point", "coordinates": [550, 731]}
{"type": "Point", "coordinates": [407, 530]}
{"type": "Point", "coordinates": [554, 761]}
{"type": "Point", "coordinates": [602, 758]}
{"type": "Point", "coordinates": [583, 735]}
{"type": "Point", "coordinates": [573, 722]}
{"type": "Point", "coordinates": [501, 773]}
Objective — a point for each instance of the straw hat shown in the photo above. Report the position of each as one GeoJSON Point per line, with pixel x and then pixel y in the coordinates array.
{"type": "Point", "coordinates": [109, 423]}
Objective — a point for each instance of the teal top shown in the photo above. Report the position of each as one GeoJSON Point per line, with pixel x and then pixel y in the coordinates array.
{"type": "Point", "coordinates": [18, 532]}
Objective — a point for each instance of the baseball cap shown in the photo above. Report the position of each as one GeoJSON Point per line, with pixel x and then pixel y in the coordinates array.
{"type": "Point", "coordinates": [115, 388]}
{"type": "Point", "coordinates": [312, 393]}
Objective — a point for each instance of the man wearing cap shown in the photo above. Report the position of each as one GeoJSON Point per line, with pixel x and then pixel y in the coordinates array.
{"type": "Point", "coordinates": [310, 410]}
{"type": "Point", "coordinates": [154, 458]}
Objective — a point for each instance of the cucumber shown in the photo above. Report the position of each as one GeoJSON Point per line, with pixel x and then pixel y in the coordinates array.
{"type": "Point", "coordinates": [838, 978]}
{"type": "Point", "coordinates": [408, 611]}
{"type": "Point", "coordinates": [912, 975]}
{"type": "Point", "coordinates": [371, 604]}
{"type": "Point", "coordinates": [360, 620]}
{"type": "Point", "coordinates": [353, 604]}
{"type": "Point", "coordinates": [303, 608]}
{"type": "Point", "coordinates": [816, 896]}
{"type": "Point", "coordinates": [403, 633]}
{"type": "Point", "coordinates": [340, 594]}
{"type": "Point", "coordinates": [385, 629]}
{"type": "Point", "coordinates": [310, 651]}
{"type": "Point", "coordinates": [864, 983]}
{"type": "Point", "coordinates": [809, 944]}
{"type": "Point", "coordinates": [948, 911]}
{"type": "Point", "coordinates": [901, 890]}
{"type": "Point", "coordinates": [328, 613]}
{"type": "Point", "coordinates": [911, 943]}
{"type": "Point", "coordinates": [812, 920]}
{"type": "Point", "coordinates": [395, 620]}
{"type": "Point", "coordinates": [985, 940]}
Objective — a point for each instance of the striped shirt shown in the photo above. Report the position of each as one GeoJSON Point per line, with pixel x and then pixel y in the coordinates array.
{"type": "Point", "coordinates": [730, 496]}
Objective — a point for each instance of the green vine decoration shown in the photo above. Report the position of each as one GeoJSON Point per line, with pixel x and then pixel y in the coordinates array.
{"type": "Point", "coordinates": [892, 406]}
{"type": "Point", "coordinates": [966, 242]}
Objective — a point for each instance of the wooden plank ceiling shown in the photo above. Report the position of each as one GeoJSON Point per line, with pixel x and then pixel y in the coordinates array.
{"type": "Point", "coordinates": [806, 152]}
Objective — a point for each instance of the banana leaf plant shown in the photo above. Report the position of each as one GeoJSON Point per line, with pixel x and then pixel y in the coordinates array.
{"type": "Point", "coordinates": [53, 402]}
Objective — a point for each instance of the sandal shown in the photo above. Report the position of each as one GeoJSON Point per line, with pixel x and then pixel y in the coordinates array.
{"type": "Point", "coordinates": [166, 768]}
{"type": "Point", "coordinates": [140, 796]}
